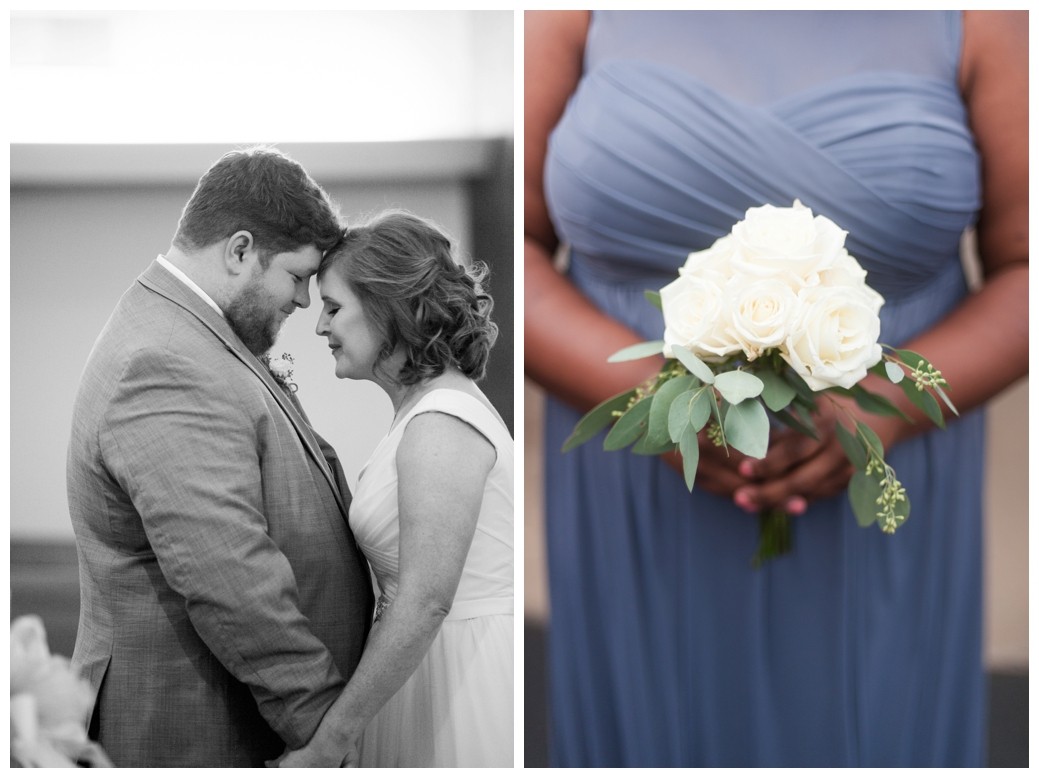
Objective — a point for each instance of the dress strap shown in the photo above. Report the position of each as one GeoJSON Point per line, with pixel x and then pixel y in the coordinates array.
{"type": "Point", "coordinates": [464, 406]}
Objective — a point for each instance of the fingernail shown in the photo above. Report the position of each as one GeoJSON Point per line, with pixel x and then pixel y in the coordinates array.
{"type": "Point", "coordinates": [796, 505]}
{"type": "Point", "coordinates": [743, 499]}
{"type": "Point", "coordinates": [746, 468]}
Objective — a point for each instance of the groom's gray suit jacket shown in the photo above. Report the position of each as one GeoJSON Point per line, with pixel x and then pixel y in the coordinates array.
{"type": "Point", "coordinates": [223, 598]}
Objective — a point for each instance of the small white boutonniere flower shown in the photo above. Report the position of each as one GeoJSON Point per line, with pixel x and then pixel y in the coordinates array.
{"type": "Point", "coordinates": [281, 369]}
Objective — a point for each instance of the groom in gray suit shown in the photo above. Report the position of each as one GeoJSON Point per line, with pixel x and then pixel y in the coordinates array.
{"type": "Point", "coordinates": [223, 598]}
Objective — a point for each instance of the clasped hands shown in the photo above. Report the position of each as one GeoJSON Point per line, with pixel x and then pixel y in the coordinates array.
{"type": "Point", "coordinates": [316, 754]}
{"type": "Point", "coordinates": [796, 471]}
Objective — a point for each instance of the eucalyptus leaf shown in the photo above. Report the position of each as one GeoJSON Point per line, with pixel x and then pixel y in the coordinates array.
{"type": "Point", "coordinates": [629, 427]}
{"type": "Point", "coordinates": [894, 371]}
{"type": "Point", "coordinates": [648, 446]}
{"type": "Point", "coordinates": [911, 358]}
{"type": "Point", "coordinates": [804, 391]}
{"type": "Point", "coordinates": [875, 403]}
{"type": "Point", "coordinates": [777, 392]}
{"type": "Point", "coordinates": [652, 348]}
{"type": "Point", "coordinates": [946, 400]}
{"type": "Point", "coordinates": [738, 385]}
{"type": "Point", "coordinates": [791, 420]}
{"type": "Point", "coordinates": [661, 407]}
{"type": "Point", "coordinates": [863, 493]}
{"type": "Point", "coordinates": [924, 401]}
{"type": "Point", "coordinates": [689, 446]}
{"type": "Point", "coordinates": [869, 437]}
{"type": "Point", "coordinates": [798, 418]}
{"type": "Point", "coordinates": [716, 411]}
{"type": "Point", "coordinates": [853, 448]}
{"type": "Point", "coordinates": [746, 428]}
{"type": "Point", "coordinates": [694, 364]}
{"type": "Point", "coordinates": [654, 299]}
{"type": "Point", "coordinates": [700, 408]}
{"type": "Point", "coordinates": [597, 418]}
{"type": "Point", "coordinates": [678, 415]}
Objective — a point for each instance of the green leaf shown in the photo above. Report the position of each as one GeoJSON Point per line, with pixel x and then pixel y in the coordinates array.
{"type": "Point", "coordinates": [700, 408]}
{"type": "Point", "coordinates": [738, 385]}
{"type": "Point", "coordinates": [778, 392]}
{"type": "Point", "coordinates": [946, 400]}
{"type": "Point", "coordinates": [717, 413]}
{"type": "Point", "coordinates": [597, 418]}
{"type": "Point", "coordinates": [746, 428]}
{"type": "Point", "coordinates": [661, 407]}
{"type": "Point", "coordinates": [872, 442]}
{"type": "Point", "coordinates": [911, 358]}
{"type": "Point", "coordinates": [689, 446]}
{"type": "Point", "coordinates": [652, 348]}
{"type": "Point", "coordinates": [854, 450]}
{"type": "Point", "coordinates": [678, 415]}
{"type": "Point", "coordinates": [863, 493]}
{"type": "Point", "coordinates": [654, 299]}
{"type": "Point", "coordinates": [694, 364]}
{"type": "Point", "coordinates": [875, 403]}
{"type": "Point", "coordinates": [648, 446]}
{"type": "Point", "coordinates": [803, 390]}
{"type": "Point", "coordinates": [629, 427]}
{"type": "Point", "coordinates": [798, 418]}
{"type": "Point", "coordinates": [894, 371]}
{"type": "Point", "coordinates": [924, 401]}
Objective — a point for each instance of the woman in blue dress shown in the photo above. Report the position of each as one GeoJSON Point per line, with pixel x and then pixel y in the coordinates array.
{"type": "Point", "coordinates": [647, 136]}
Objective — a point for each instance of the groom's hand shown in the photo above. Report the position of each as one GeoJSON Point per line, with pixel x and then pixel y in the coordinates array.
{"type": "Point", "coordinates": [319, 753]}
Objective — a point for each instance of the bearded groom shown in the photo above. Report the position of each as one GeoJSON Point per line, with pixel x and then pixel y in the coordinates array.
{"type": "Point", "coordinates": [223, 599]}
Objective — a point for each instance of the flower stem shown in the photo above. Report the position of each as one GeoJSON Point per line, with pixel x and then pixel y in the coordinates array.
{"type": "Point", "coordinates": [774, 535]}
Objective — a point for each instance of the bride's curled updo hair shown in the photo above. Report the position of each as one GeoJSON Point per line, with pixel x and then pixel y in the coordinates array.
{"type": "Point", "coordinates": [417, 295]}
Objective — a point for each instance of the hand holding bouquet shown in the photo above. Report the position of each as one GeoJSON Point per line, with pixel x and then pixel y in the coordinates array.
{"type": "Point", "coordinates": [757, 329]}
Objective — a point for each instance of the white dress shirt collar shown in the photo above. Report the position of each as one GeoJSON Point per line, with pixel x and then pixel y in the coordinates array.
{"type": "Point", "coordinates": [188, 282]}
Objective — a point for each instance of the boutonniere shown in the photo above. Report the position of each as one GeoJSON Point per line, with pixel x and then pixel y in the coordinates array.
{"type": "Point", "coordinates": [281, 369]}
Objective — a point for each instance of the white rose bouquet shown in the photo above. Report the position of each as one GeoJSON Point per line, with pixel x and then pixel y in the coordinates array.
{"type": "Point", "coordinates": [756, 328]}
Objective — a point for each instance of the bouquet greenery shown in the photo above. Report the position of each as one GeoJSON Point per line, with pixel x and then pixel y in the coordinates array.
{"type": "Point", "coordinates": [758, 328]}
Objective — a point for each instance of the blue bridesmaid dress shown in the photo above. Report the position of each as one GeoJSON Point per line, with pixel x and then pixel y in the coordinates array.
{"type": "Point", "coordinates": [859, 648]}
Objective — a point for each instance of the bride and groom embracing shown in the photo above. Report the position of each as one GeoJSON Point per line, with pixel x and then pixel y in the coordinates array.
{"type": "Point", "coordinates": [227, 613]}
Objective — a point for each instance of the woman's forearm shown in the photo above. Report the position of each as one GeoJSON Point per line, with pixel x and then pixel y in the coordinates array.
{"type": "Point", "coordinates": [567, 339]}
{"type": "Point", "coordinates": [396, 645]}
{"type": "Point", "coordinates": [981, 348]}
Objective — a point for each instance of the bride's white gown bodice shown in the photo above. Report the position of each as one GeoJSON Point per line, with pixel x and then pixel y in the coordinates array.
{"type": "Point", "coordinates": [456, 709]}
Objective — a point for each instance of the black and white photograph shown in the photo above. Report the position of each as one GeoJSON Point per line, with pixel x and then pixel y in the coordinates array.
{"type": "Point", "coordinates": [262, 389]}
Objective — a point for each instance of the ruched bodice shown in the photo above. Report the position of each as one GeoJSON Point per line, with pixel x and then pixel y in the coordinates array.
{"type": "Point", "coordinates": [680, 123]}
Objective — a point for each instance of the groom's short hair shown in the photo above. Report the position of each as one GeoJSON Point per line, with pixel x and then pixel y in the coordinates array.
{"type": "Point", "coordinates": [261, 190]}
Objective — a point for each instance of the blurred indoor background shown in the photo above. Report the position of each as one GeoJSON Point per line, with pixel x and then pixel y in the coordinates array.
{"type": "Point", "coordinates": [113, 116]}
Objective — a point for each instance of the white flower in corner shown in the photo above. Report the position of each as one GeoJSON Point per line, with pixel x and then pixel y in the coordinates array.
{"type": "Point", "coordinates": [49, 704]}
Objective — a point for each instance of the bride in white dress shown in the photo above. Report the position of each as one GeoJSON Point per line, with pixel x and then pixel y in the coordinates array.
{"type": "Point", "coordinates": [433, 509]}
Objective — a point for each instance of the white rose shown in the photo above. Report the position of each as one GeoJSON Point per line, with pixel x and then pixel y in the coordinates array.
{"type": "Point", "coordinates": [789, 243]}
{"type": "Point", "coordinates": [696, 316]}
{"type": "Point", "coordinates": [763, 312]}
{"type": "Point", "coordinates": [834, 342]}
{"type": "Point", "coordinates": [715, 261]}
{"type": "Point", "coordinates": [848, 274]}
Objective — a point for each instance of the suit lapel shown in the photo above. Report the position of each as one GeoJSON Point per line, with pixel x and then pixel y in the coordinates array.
{"type": "Point", "coordinates": [162, 282]}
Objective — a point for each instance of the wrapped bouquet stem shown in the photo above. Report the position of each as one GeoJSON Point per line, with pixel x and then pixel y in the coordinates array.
{"type": "Point", "coordinates": [758, 330]}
